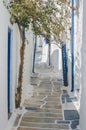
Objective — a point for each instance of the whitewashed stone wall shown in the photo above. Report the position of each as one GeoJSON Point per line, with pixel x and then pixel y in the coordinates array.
{"type": "Point", "coordinates": [68, 45]}
{"type": "Point", "coordinates": [4, 24]}
{"type": "Point", "coordinates": [77, 49]}
{"type": "Point", "coordinates": [28, 61]}
{"type": "Point", "coordinates": [77, 46]}
{"type": "Point", "coordinates": [56, 59]}
{"type": "Point", "coordinates": [5, 123]}
{"type": "Point", "coordinates": [83, 70]}
{"type": "Point", "coordinates": [44, 51]}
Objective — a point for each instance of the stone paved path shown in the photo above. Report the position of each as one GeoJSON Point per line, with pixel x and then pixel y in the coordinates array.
{"type": "Point", "coordinates": [44, 107]}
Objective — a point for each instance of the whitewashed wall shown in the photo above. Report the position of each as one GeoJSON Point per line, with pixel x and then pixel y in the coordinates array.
{"type": "Point", "coordinates": [77, 46]}
{"type": "Point", "coordinates": [77, 49]}
{"type": "Point", "coordinates": [3, 68]}
{"type": "Point", "coordinates": [28, 61]}
{"type": "Point", "coordinates": [4, 24]}
{"type": "Point", "coordinates": [83, 70]}
{"type": "Point", "coordinates": [44, 51]}
{"type": "Point", "coordinates": [5, 124]}
{"type": "Point", "coordinates": [15, 60]}
{"type": "Point", "coordinates": [56, 59]}
{"type": "Point", "coordinates": [68, 45]}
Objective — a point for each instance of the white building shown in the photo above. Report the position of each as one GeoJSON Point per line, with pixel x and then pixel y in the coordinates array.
{"type": "Point", "coordinates": [9, 66]}
{"type": "Point", "coordinates": [55, 56]}
{"type": "Point", "coordinates": [83, 69]}
{"type": "Point", "coordinates": [56, 59]}
{"type": "Point", "coordinates": [76, 49]}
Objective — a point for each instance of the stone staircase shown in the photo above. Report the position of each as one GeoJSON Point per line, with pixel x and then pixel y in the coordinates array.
{"type": "Point", "coordinates": [43, 109]}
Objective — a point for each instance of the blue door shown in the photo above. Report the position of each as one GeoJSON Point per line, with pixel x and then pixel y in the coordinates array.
{"type": "Point", "coordinates": [72, 48]}
{"type": "Point", "coordinates": [8, 67]}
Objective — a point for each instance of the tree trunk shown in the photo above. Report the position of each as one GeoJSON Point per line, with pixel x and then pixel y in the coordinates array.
{"type": "Point", "coordinates": [20, 77]}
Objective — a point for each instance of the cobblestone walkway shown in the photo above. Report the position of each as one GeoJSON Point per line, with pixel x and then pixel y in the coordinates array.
{"type": "Point", "coordinates": [50, 107]}
{"type": "Point", "coordinates": [43, 110]}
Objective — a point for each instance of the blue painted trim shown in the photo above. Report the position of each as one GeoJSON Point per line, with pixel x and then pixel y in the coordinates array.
{"type": "Point", "coordinates": [72, 49]}
{"type": "Point", "coordinates": [64, 65]}
{"type": "Point", "coordinates": [34, 54]}
{"type": "Point", "coordinates": [8, 67]}
{"type": "Point", "coordinates": [47, 41]}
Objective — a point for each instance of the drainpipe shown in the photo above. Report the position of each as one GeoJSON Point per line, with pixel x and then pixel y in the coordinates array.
{"type": "Point", "coordinates": [72, 48]}
{"type": "Point", "coordinates": [34, 55]}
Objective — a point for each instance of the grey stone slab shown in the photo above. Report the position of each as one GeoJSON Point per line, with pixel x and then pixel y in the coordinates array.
{"type": "Point", "coordinates": [74, 124]}
{"type": "Point", "coordinates": [31, 108]}
{"type": "Point", "coordinates": [63, 122]}
{"type": "Point", "coordinates": [74, 99]}
{"type": "Point", "coordinates": [66, 97]}
{"type": "Point", "coordinates": [71, 114]}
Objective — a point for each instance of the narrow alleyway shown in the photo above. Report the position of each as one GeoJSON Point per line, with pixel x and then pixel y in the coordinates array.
{"type": "Point", "coordinates": [43, 69]}
{"type": "Point", "coordinates": [44, 110]}
{"type": "Point", "coordinates": [47, 108]}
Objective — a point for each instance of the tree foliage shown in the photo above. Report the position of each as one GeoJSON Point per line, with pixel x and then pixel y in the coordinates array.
{"type": "Point", "coordinates": [47, 17]}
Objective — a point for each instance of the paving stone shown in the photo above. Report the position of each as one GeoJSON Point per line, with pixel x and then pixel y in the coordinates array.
{"type": "Point", "coordinates": [54, 106]}
{"type": "Point", "coordinates": [33, 104]}
{"type": "Point", "coordinates": [23, 128]}
{"type": "Point", "coordinates": [43, 114]}
{"type": "Point", "coordinates": [57, 85]}
{"type": "Point", "coordinates": [45, 84]}
{"type": "Point", "coordinates": [71, 114]}
{"type": "Point", "coordinates": [44, 125]}
{"type": "Point", "coordinates": [64, 91]}
{"type": "Point", "coordinates": [41, 119]}
{"type": "Point", "coordinates": [52, 99]}
{"type": "Point", "coordinates": [74, 99]}
{"type": "Point", "coordinates": [31, 108]}
{"type": "Point", "coordinates": [63, 122]}
{"type": "Point", "coordinates": [51, 110]}
{"type": "Point", "coordinates": [66, 98]}
{"type": "Point", "coordinates": [74, 124]}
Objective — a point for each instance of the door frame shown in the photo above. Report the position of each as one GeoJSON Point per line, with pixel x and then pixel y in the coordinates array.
{"type": "Point", "coordinates": [9, 69]}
